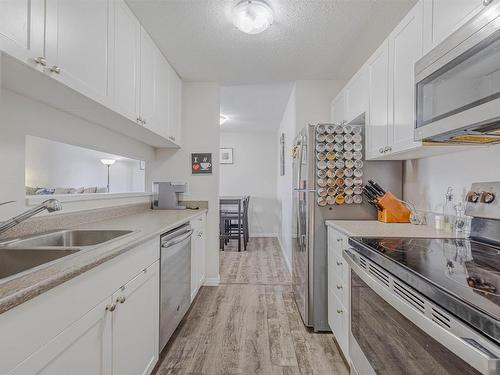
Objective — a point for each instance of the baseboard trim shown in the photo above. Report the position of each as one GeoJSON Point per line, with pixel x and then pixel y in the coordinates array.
{"type": "Point", "coordinates": [287, 261]}
{"type": "Point", "coordinates": [263, 234]}
{"type": "Point", "coordinates": [212, 281]}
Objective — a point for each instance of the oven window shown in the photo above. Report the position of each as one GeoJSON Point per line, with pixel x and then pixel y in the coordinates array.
{"type": "Point", "coordinates": [391, 343]}
{"type": "Point", "coordinates": [471, 79]}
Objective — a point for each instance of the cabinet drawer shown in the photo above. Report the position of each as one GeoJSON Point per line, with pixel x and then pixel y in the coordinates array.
{"type": "Point", "coordinates": [338, 318]}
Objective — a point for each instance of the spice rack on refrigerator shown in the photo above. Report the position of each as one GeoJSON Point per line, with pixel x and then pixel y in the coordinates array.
{"type": "Point", "coordinates": [339, 164]}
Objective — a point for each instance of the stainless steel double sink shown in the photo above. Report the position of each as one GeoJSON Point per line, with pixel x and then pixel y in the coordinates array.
{"type": "Point", "coordinates": [21, 254]}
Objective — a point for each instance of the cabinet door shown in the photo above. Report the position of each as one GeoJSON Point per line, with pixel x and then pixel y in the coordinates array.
{"type": "Point", "coordinates": [338, 108]}
{"type": "Point", "coordinates": [162, 96]}
{"type": "Point", "coordinates": [126, 58]}
{"type": "Point", "coordinates": [175, 107]}
{"type": "Point", "coordinates": [22, 28]}
{"type": "Point", "coordinates": [405, 48]}
{"type": "Point", "coordinates": [197, 255]}
{"type": "Point", "coordinates": [148, 78]}
{"type": "Point", "coordinates": [356, 96]}
{"type": "Point", "coordinates": [77, 43]}
{"type": "Point", "coordinates": [136, 324]}
{"type": "Point", "coordinates": [377, 120]}
{"type": "Point", "coordinates": [449, 15]}
{"type": "Point", "coordinates": [201, 251]}
{"type": "Point", "coordinates": [83, 348]}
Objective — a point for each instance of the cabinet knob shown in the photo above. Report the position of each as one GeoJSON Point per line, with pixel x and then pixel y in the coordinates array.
{"type": "Point", "coordinates": [121, 299]}
{"type": "Point", "coordinates": [339, 263]}
{"type": "Point", "coordinates": [339, 287]}
{"type": "Point", "coordinates": [55, 69]}
{"type": "Point", "coordinates": [111, 307]}
{"type": "Point", "coordinates": [41, 61]}
{"type": "Point", "coordinates": [339, 311]}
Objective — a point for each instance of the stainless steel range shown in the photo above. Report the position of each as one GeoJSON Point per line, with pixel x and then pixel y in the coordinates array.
{"type": "Point", "coordinates": [429, 305]}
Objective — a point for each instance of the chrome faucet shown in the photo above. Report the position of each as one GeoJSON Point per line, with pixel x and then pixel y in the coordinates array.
{"type": "Point", "coordinates": [50, 205]}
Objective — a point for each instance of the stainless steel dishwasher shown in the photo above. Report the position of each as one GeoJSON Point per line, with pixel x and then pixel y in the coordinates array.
{"type": "Point", "coordinates": [175, 279]}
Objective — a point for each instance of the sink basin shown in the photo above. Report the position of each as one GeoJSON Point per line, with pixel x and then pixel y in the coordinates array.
{"type": "Point", "coordinates": [16, 260]}
{"type": "Point", "coordinates": [67, 238]}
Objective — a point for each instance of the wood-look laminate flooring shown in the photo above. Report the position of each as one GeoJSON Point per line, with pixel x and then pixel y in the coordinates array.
{"type": "Point", "coordinates": [249, 324]}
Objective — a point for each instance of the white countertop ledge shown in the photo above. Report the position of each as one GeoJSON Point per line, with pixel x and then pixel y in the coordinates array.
{"type": "Point", "coordinates": [373, 228]}
{"type": "Point", "coordinates": [32, 200]}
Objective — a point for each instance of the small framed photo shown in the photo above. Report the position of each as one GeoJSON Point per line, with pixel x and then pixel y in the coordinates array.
{"type": "Point", "coordinates": [226, 156]}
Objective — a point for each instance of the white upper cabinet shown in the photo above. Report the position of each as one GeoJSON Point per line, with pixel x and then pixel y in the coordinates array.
{"type": "Point", "coordinates": [443, 17]}
{"type": "Point", "coordinates": [98, 50]}
{"type": "Point", "coordinates": [377, 119]}
{"type": "Point", "coordinates": [175, 107]}
{"type": "Point", "coordinates": [356, 96]}
{"type": "Point", "coordinates": [338, 108]}
{"type": "Point", "coordinates": [149, 55]}
{"type": "Point", "coordinates": [126, 59]}
{"type": "Point", "coordinates": [22, 29]}
{"type": "Point", "coordinates": [77, 45]}
{"type": "Point", "coordinates": [405, 48]}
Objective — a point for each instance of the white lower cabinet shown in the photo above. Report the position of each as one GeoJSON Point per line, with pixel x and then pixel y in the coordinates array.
{"type": "Point", "coordinates": [135, 324]}
{"type": "Point", "coordinates": [198, 255]}
{"type": "Point", "coordinates": [118, 335]}
{"type": "Point", "coordinates": [81, 349]}
{"type": "Point", "coordinates": [338, 290]}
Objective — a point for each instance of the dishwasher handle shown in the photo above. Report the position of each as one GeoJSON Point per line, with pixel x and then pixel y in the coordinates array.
{"type": "Point", "coordinates": [177, 240]}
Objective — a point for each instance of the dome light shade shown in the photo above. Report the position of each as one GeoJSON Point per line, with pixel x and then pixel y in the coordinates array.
{"type": "Point", "coordinates": [252, 16]}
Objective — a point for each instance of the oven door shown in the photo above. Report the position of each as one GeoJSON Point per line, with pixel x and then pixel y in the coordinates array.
{"type": "Point", "coordinates": [458, 84]}
{"type": "Point", "coordinates": [391, 334]}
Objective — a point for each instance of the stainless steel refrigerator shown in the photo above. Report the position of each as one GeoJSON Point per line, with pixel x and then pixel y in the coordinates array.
{"type": "Point", "coordinates": [309, 233]}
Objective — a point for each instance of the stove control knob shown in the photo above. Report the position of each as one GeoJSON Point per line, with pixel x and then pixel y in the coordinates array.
{"type": "Point", "coordinates": [472, 197]}
{"type": "Point", "coordinates": [487, 197]}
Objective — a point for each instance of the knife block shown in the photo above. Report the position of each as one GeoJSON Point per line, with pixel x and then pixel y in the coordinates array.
{"type": "Point", "coordinates": [393, 211]}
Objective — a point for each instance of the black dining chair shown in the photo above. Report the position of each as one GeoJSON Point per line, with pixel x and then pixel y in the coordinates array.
{"type": "Point", "coordinates": [234, 224]}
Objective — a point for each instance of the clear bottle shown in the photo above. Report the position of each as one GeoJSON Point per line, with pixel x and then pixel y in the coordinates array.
{"type": "Point", "coordinates": [460, 218]}
{"type": "Point", "coordinates": [449, 211]}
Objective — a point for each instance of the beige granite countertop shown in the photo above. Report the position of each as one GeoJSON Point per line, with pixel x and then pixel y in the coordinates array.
{"type": "Point", "coordinates": [373, 228]}
{"type": "Point", "coordinates": [146, 224]}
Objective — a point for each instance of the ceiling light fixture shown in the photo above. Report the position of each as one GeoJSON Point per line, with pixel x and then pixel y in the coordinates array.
{"type": "Point", "coordinates": [223, 119]}
{"type": "Point", "coordinates": [252, 16]}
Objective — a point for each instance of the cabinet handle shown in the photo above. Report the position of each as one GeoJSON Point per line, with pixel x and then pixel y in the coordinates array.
{"type": "Point", "coordinates": [55, 69]}
{"type": "Point", "coordinates": [339, 263]}
{"type": "Point", "coordinates": [111, 307]}
{"type": "Point", "coordinates": [339, 311]}
{"type": "Point", "coordinates": [487, 2]}
{"type": "Point", "coordinates": [339, 287]}
{"type": "Point", "coordinates": [121, 299]}
{"type": "Point", "coordinates": [41, 61]}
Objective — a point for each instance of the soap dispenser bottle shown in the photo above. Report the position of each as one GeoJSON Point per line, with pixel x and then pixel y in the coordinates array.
{"type": "Point", "coordinates": [449, 211]}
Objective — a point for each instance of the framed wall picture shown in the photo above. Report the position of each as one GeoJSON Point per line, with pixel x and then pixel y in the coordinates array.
{"type": "Point", "coordinates": [226, 156]}
{"type": "Point", "coordinates": [201, 163]}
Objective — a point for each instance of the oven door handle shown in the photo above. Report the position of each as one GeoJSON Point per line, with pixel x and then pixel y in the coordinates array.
{"type": "Point", "coordinates": [466, 348]}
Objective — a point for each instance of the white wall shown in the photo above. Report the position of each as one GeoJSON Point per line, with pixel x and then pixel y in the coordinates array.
{"type": "Point", "coordinates": [201, 133]}
{"type": "Point", "coordinates": [309, 103]}
{"type": "Point", "coordinates": [53, 164]}
{"type": "Point", "coordinates": [426, 180]}
{"type": "Point", "coordinates": [253, 173]}
{"type": "Point", "coordinates": [20, 116]}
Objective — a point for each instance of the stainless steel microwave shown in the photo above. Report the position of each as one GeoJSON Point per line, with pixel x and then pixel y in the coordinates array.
{"type": "Point", "coordinates": [458, 84]}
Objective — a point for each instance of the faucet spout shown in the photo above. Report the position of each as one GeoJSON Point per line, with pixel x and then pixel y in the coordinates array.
{"type": "Point", "coordinates": [50, 205]}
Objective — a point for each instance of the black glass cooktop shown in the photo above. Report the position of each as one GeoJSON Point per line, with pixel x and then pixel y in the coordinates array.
{"type": "Point", "coordinates": [465, 269]}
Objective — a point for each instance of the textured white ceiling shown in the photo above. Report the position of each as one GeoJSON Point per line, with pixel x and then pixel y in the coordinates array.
{"type": "Point", "coordinates": [310, 39]}
{"type": "Point", "coordinates": [254, 107]}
